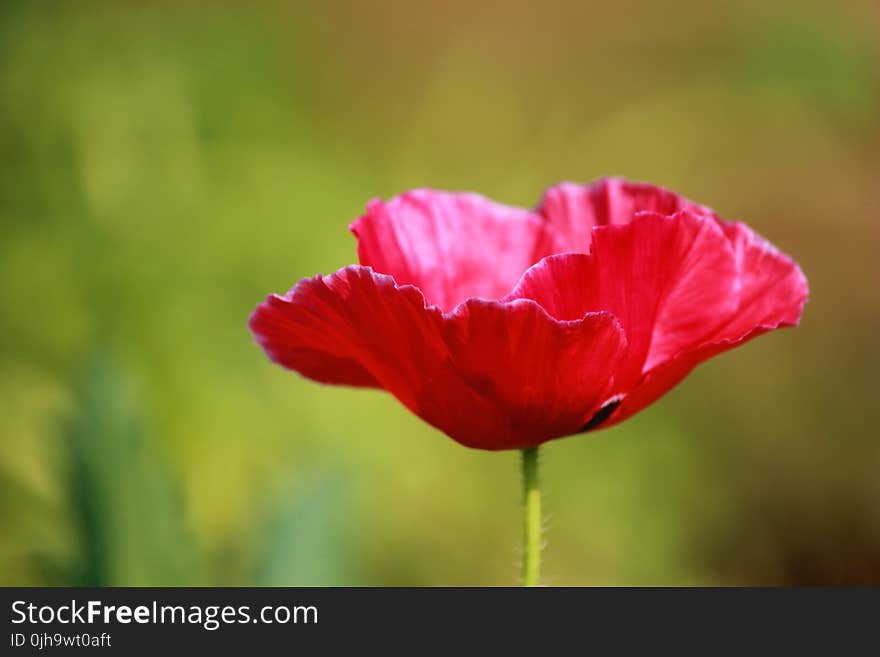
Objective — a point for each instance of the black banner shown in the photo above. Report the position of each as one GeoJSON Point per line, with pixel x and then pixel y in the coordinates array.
{"type": "Point", "coordinates": [177, 620]}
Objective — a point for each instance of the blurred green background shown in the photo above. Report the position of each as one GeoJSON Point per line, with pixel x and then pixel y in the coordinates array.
{"type": "Point", "coordinates": [167, 164]}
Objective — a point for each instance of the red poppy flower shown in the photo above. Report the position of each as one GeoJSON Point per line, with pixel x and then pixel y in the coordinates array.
{"type": "Point", "coordinates": [506, 328]}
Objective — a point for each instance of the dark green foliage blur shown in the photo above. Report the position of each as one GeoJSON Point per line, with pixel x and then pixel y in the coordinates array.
{"type": "Point", "coordinates": [164, 165]}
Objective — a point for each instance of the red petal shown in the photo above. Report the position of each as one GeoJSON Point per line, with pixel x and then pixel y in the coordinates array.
{"type": "Point", "coordinates": [452, 246]}
{"type": "Point", "coordinates": [490, 375]}
{"type": "Point", "coordinates": [573, 209]}
{"type": "Point", "coordinates": [670, 281]}
{"type": "Point", "coordinates": [773, 291]}
{"type": "Point", "coordinates": [542, 378]}
{"type": "Point", "coordinates": [353, 327]}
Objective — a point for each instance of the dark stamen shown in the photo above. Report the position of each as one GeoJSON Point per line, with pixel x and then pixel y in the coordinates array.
{"type": "Point", "coordinates": [601, 415]}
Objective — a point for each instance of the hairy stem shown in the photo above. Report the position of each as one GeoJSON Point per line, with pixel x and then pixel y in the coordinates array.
{"type": "Point", "coordinates": [531, 565]}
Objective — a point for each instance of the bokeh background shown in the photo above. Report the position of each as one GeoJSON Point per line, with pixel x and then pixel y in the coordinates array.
{"type": "Point", "coordinates": [164, 165]}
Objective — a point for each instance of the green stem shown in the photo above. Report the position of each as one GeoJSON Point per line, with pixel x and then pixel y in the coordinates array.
{"type": "Point", "coordinates": [531, 565]}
